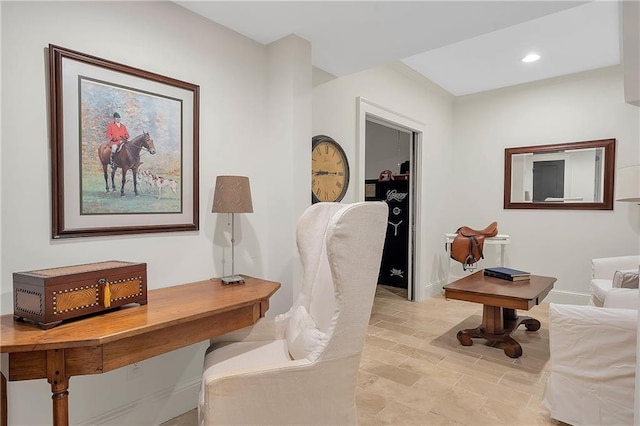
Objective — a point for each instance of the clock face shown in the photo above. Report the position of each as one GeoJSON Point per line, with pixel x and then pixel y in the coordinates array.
{"type": "Point", "coordinates": [329, 170]}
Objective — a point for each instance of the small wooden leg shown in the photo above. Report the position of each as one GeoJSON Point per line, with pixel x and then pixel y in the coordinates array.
{"type": "Point", "coordinates": [57, 377]}
{"type": "Point", "coordinates": [512, 348]}
{"type": "Point", "coordinates": [4, 416]}
{"type": "Point", "coordinates": [464, 338]}
{"type": "Point", "coordinates": [532, 324]}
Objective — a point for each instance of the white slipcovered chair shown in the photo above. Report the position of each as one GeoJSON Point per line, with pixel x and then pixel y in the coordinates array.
{"type": "Point", "coordinates": [593, 361]}
{"type": "Point", "coordinates": [301, 367]}
{"type": "Point", "coordinates": [612, 272]}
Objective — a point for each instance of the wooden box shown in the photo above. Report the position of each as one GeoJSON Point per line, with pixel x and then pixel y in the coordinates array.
{"type": "Point", "coordinates": [50, 296]}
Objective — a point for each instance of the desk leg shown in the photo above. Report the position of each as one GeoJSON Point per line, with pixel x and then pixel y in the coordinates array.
{"type": "Point", "coordinates": [4, 417]}
{"type": "Point", "coordinates": [57, 377]}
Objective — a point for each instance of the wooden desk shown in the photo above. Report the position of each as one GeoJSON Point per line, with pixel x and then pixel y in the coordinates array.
{"type": "Point", "coordinates": [174, 317]}
{"type": "Point", "coordinates": [500, 298]}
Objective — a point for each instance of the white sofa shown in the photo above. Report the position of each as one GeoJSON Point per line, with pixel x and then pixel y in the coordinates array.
{"type": "Point", "coordinates": [593, 360]}
{"type": "Point", "coordinates": [603, 271]}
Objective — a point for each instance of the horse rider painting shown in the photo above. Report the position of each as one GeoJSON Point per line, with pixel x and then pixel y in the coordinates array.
{"type": "Point", "coordinates": [116, 134]}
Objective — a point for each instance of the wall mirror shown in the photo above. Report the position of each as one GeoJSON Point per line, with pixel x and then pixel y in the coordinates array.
{"type": "Point", "coordinates": [577, 175]}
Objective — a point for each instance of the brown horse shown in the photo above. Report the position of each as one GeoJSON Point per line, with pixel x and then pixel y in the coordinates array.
{"type": "Point", "coordinates": [127, 157]}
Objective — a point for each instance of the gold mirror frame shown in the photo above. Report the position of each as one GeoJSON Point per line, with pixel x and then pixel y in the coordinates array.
{"type": "Point", "coordinates": [608, 146]}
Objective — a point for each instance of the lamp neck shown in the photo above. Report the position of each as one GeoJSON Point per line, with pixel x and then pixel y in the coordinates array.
{"type": "Point", "coordinates": [233, 241]}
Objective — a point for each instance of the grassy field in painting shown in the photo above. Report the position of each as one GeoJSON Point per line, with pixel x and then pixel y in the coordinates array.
{"type": "Point", "coordinates": [95, 199]}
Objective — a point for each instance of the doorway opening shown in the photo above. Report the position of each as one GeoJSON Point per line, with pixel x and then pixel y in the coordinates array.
{"type": "Point", "coordinates": [548, 180]}
{"type": "Point", "coordinates": [388, 179]}
{"type": "Point", "coordinates": [388, 170]}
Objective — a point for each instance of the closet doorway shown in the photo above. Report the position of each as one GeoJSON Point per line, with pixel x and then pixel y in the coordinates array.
{"type": "Point", "coordinates": [389, 173]}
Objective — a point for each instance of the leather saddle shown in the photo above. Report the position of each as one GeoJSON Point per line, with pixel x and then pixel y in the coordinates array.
{"type": "Point", "coordinates": [467, 246]}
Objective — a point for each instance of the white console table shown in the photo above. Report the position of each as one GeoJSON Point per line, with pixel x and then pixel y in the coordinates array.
{"type": "Point", "coordinates": [501, 239]}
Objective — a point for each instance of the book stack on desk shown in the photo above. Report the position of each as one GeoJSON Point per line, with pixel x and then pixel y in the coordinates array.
{"type": "Point", "coordinates": [507, 274]}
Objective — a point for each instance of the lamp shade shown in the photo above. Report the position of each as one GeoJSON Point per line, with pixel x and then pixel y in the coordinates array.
{"type": "Point", "coordinates": [628, 184]}
{"type": "Point", "coordinates": [232, 195]}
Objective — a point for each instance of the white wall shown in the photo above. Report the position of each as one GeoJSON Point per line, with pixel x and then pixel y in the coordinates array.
{"type": "Point", "coordinates": [580, 107]}
{"type": "Point", "coordinates": [287, 175]}
{"type": "Point", "coordinates": [398, 89]}
{"type": "Point", "coordinates": [236, 137]}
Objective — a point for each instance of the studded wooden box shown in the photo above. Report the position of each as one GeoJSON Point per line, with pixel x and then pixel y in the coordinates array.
{"type": "Point", "coordinates": [50, 296]}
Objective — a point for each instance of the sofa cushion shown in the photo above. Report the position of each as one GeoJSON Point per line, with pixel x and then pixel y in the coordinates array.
{"type": "Point", "coordinates": [302, 334]}
{"type": "Point", "coordinates": [625, 279]}
{"type": "Point", "coordinates": [228, 358]}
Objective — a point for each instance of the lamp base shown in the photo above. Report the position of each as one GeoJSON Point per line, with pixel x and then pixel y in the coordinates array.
{"type": "Point", "coordinates": [232, 279]}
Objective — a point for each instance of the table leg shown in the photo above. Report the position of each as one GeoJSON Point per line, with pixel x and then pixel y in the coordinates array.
{"type": "Point", "coordinates": [57, 377]}
{"type": "Point", "coordinates": [4, 416]}
{"type": "Point", "coordinates": [497, 325]}
{"type": "Point", "coordinates": [492, 319]}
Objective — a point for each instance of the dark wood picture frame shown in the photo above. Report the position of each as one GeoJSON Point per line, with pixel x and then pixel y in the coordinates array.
{"type": "Point", "coordinates": [68, 72]}
{"type": "Point", "coordinates": [608, 175]}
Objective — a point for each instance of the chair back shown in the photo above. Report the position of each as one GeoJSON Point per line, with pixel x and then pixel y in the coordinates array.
{"type": "Point", "coordinates": [340, 249]}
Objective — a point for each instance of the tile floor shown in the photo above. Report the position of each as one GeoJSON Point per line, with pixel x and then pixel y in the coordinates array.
{"type": "Point", "coordinates": [415, 372]}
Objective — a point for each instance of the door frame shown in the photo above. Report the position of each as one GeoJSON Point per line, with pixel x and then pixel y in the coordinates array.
{"type": "Point", "coordinates": [367, 110]}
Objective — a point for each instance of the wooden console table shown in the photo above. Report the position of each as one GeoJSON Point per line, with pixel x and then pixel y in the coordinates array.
{"type": "Point", "coordinates": [174, 317]}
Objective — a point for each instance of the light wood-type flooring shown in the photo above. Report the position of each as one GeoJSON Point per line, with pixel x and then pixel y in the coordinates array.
{"type": "Point", "coordinates": [415, 372]}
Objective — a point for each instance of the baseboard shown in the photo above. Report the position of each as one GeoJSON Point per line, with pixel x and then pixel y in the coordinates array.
{"type": "Point", "coordinates": [431, 290]}
{"type": "Point", "coordinates": [567, 297]}
{"type": "Point", "coordinates": [154, 408]}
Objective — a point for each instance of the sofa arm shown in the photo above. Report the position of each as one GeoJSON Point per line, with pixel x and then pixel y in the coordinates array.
{"type": "Point", "coordinates": [605, 267]}
{"type": "Point", "coordinates": [625, 298]}
{"type": "Point", "coordinates": [593, 364]}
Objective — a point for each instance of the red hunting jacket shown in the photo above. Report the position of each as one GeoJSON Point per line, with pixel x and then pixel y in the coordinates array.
{"type": "Point", "coordinates": [116, 134]}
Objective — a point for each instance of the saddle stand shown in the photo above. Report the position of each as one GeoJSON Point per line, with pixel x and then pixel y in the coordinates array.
{"type": "Point", "coordinates": [467, 246]}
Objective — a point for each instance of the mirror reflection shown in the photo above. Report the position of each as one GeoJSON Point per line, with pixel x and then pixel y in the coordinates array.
{"type": "Point", "coordinates": [564, 176]}
{"type": "Point", "coordinates": [574, 175]}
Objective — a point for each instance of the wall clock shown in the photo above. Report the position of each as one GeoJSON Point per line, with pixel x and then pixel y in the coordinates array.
{"type": "Point", "coordinates": [329, 170]}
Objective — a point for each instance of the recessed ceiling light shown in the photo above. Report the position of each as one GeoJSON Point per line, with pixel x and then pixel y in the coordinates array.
{"type": "Point", "coordinates": [531, 57]}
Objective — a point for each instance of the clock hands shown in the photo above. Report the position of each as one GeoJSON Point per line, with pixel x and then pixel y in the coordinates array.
{"type": "Point", "coordinates": [324, 173]}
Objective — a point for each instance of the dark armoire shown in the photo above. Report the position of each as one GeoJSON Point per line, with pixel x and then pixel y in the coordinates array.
{"type": "Point", "coordinates": [395, 257]}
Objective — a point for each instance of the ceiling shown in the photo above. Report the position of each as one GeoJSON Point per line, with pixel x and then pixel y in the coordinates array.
{"type": "Point", "coordinates": [463, 46]}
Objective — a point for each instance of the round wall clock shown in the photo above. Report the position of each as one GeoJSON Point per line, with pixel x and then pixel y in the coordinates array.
{"type": "Point", "coordinates": [329, 170]}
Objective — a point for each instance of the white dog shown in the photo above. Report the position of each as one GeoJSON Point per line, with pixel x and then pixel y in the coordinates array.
{"type": "Point", "coordinates": [158, 182]}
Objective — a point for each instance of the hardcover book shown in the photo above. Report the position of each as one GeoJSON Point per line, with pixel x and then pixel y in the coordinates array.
{"type": "Point", "coordinates": [507, 273]}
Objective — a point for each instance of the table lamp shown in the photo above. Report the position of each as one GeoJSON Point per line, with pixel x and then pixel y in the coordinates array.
{"type": "Point", "coordinates": [232, 195]}
{"type": "Point", "coordinates": [628, 184]}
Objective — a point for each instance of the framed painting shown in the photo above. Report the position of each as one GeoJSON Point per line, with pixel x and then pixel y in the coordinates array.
{"type": "Point", "coordinates": [124, 148]}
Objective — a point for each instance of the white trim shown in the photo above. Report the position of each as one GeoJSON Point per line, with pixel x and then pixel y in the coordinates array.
{"type": "Point", "coordinates": [176, 400]}
{"type": "Point", "coordinates": [567, 298]}
{"type": "Point", "coordinates": [367, 110]}
{"type": "Point", "coordinates": [386, 123]}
